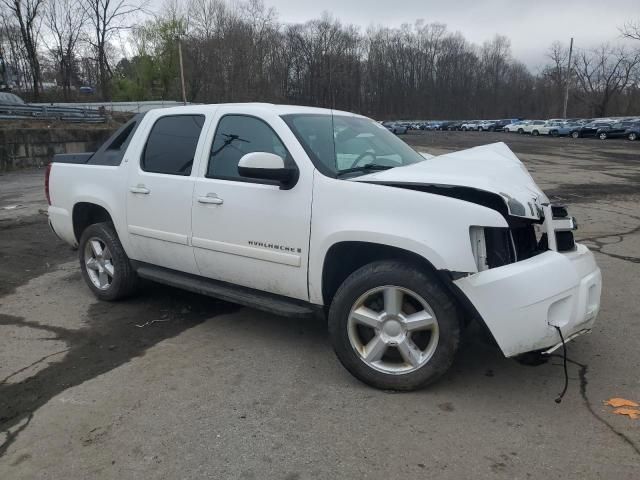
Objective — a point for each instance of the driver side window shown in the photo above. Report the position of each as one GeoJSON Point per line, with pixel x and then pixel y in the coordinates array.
{"type": "Point", "coordinates": [237, 135]}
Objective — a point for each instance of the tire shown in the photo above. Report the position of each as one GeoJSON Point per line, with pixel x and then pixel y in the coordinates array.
{"type": "Point", "coordinates": [553, 133]}
{"type": "Point", "coordinates": [602, 136]}
{"type": "Point", "coordinates": [535, 133]}
{"type": "Point", "coordinates": [492, 129]}
{"type": "Point", "coordinates": [520, 131]}
{"type": "Point", "coordinates": [109, 275]}
{"type": "Point", "coordinates": [431, 350]}
{"type": "Point", "coordinates": [575, 134]}
{"type": "Point", "coordinates": [633, 136]}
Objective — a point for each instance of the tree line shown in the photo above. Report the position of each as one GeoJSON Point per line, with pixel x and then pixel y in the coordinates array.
{"type": "Point", "coordinates": [242, 52]}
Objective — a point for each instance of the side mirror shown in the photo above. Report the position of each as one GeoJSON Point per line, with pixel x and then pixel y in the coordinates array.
{"type": "Point", "coordinates": [267, 166]}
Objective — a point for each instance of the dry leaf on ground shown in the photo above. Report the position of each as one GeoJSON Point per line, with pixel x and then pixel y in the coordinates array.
{"type": "Point", "coordinates": [621, 402]}
{"type": "Point", "coordinates": [630, 412]}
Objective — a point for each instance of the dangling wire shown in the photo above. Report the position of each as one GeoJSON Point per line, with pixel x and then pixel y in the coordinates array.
{"type": "Point", "coordinates": [564, 362]}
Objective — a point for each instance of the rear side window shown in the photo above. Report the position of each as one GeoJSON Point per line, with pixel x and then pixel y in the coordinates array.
{"type": "Point", "coordinates": [171, 145]}
{"type": "Point", "coordinates": [236, 136]}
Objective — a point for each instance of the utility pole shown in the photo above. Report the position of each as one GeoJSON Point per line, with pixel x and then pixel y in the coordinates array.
{"type": "Point", "coordinates": [184, 95]}
{"type": "Point", "coordinates": [566, 91]}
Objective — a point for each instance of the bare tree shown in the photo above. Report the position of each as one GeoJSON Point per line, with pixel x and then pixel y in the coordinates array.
{"type": "Point", "coordinates": [240, 52]}
{"type": "Point", "coordinates": [631, 29]}
{"type": "Point", "coordinates": [603, 73]}
{"type": "Point", "coordinates": [555, 74]}
{"type": "Point", "coordinates": [65, 20]}
{"type": "Point", "coordinates": [14, 56]}
{"type": "Point", "coordinates": [27, 13]}
{"type": "Point", "coordinates": [108, 18]}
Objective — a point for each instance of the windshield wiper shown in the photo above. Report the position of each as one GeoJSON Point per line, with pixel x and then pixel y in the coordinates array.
{"type": "Point", "coordinates": [368, 166]}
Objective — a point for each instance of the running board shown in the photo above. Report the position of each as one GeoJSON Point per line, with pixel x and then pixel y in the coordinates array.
{"type": "Point", "coordinates": [267, 302]}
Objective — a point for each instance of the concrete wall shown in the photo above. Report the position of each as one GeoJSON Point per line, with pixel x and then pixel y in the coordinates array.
{"type": "Point", "coordinates": [35, 147]}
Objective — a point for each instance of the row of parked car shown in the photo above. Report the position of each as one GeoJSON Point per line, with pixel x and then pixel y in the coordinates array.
{"type": "Point", "coordinates": [602, 128]}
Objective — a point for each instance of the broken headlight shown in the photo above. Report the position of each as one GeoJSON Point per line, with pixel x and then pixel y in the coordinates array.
{"type": "Point", "coordinates": [492, 247]}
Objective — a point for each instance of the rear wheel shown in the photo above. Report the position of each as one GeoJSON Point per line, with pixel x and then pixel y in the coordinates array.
{"type": "Point", "coordinates": [632, 136]}
{"type": "Point", "coordinates": [553, 133]}
{"type": "Point", "coordinates": [535, 133]}
{"type": "Point", "coordinates": [104, 263]}
{"type": "Point", "coordinates": [520, 131]}
{"type": "Point", "coordinates": [575, 134]}
{"type": "Point", "coordinates": [602, 136]}
{"type": "Point", "coordinates": [393, 327]}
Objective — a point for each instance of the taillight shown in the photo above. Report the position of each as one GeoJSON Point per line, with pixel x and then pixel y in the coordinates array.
{"type": "Point", "coordinates": [46, 183]}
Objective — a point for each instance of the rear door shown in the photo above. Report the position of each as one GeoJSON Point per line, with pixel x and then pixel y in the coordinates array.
{"type": "Point", "coordinates": [160, 189]}
{"type": "Point", "coordinates": [254, 233]}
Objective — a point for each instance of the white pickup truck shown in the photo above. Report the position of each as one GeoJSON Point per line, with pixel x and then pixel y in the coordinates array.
{"type": "Point", "coordinates": [299, 211]}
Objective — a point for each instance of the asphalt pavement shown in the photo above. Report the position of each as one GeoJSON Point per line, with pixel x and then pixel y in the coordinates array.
{"type": "Point", "coordinates": [174, 385]}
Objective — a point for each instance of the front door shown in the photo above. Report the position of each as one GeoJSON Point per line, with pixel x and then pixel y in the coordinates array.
{"type": "Point", "coordinates": [159, 193]}
{"type": "Point", "coordinates": [249, 232]}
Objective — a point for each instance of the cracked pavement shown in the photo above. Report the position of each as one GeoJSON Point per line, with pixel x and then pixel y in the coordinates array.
{"type": "Point", "coordinates": [174, 385]}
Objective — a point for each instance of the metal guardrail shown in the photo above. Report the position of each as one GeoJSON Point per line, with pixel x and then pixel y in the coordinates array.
{"type": "Point", "coordinates": [131, 107]}
{"type": "Point", "coordinates": [48, 112]}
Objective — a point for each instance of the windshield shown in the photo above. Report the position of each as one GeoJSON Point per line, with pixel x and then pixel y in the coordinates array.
{"type": "Point", "coordinates": [341, 145]}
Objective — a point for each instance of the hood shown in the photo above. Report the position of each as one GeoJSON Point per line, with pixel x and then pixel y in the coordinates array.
{"type": "Point", "coordinates": [492, 169]}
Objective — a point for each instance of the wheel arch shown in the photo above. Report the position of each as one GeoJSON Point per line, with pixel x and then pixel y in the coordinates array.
{"type": "Point", "coordinates": [345, 257]}
{"type": "Point", "coordinates": [88, 213]}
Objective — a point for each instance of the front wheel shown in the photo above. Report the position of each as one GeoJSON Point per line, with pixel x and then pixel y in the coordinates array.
{"type": "Point", "coordinates": [393, 327]}
{"type": "Point", "coordinates": [535, 133]}
{"type": "Point", "coordinates": [632, 136]}
{"type": "Point", "coordinates": [602, 136]}
{"type": "Point", "coordinates": [520, 131]}
{"type": "Point", "coordinates": [575, 134]}
{"type": "Point", "coordinates": [104, 263]}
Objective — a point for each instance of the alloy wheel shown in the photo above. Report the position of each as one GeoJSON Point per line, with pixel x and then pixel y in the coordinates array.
{"type": "Point", "coordinates": [393, 329]}
{"type": "Point", "coordinates": [99, 263]}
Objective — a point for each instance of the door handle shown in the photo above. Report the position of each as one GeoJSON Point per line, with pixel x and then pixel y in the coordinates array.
{"type": "Point", "coordinates": [140, 189]}
{"type": "Point", "coordinates": [211, 198]}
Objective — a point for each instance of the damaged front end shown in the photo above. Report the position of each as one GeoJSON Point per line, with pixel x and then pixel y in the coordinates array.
{"type": "Point", "coordinates": [532, 280]}
{"type": "Point", "coordinates": [495, 247]}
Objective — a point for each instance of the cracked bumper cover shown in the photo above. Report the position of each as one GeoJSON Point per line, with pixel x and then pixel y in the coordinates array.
{"type": "Point", "coordinates": [522, 302]}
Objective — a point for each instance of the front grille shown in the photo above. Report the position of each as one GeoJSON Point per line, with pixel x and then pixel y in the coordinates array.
{"type": "Point", "coordinates": [565, 241]}
{"type": "Point", "coordinates": [564, 238]}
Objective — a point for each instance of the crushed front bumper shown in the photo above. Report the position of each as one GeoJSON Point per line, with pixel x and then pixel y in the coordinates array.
{"type": "Point", "coordinates": [521, 303]}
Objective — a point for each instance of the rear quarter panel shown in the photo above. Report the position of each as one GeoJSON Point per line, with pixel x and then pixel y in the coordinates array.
{"type": "Point", "coordinates": [70, 184]}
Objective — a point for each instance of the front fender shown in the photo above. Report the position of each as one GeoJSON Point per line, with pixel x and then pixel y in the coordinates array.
{"type": "Point", "coordinates": [432, 226]}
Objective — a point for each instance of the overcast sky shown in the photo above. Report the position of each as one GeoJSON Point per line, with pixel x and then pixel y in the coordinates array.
{"type": "Point", "coordinates": [531, 25]}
